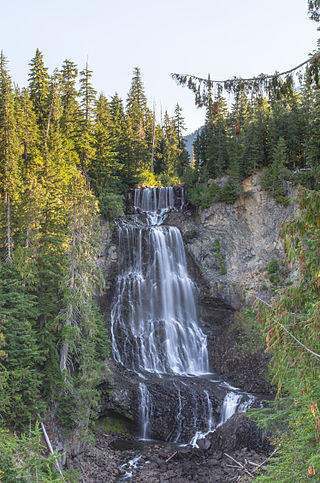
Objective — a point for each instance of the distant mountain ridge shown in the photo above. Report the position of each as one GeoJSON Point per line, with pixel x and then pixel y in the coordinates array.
{"type": "Point", "coordinates": [190, 139]}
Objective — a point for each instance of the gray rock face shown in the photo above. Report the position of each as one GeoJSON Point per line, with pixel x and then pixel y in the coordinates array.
{"type": "Point", "coordinates": [239, 432]}
{"type": "Point", "coordinates": [248, 232]}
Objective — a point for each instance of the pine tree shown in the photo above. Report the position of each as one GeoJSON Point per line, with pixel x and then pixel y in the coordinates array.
{"type": "Point", "coordinates": [27, 131]}
{"type": "Point", "coordinates": [9, 157]}
{"type": "Point", "coordinates": [39, 88]}
{"type": "Point", "coordinates": [20, 381]}
{"type": "Point", "coordinates": [291, 325]}
{"type": "Point", "coordinates": [105, 169]}
{"type": "Point", "coordinates": [120, 141]}
{"type": "Point", "coordinates": [200, 151]}
{"type": "Point", "coordinates": [137, 110]}
{"type": "Point", "coordinates": [140, 125]}
{"type": "Point", "coordinates": [272, 179]}
{"type": "Point", "coordinates": [71, 114]}
{"type": "Point", "coordinates": [216, 138]}
{"type": "Point", "coordinates": [88, 97]}
{"type": "Point", "coordinates": [183, 159]}
{"type": "Point", "coordinates": [295, 133]}
{"type": "Point", "coordinates": [313, 142]}
{"type": "Point", "coordinates": [170, 150]}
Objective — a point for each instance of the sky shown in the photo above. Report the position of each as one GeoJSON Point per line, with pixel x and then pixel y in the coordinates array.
{"type": "Point", "coordinates": [224, 37]}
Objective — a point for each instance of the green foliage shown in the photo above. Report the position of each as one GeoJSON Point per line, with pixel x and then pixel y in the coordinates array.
{"type": "Point", "coordinates": [23, 458]}
{"type": "Point", "coordinates": [39, 87]}
{"type": "Point", "coordinates": [205, 195]}
{"type": "Point", "coordinates": [278, 272]}
{"type": "Point", "coordinates": [229, 193]}
{"type": "Point", "coordinates": [291, 326]}
{"type": "Point", "coordinates": [114, 423]}
{"type": "Point", "coordinates": [273, 266]}
{"type": "Point", "coordinates": [189, 176]}
{"type": "Point", "coordinates": [63, 151]}
{"type": "Point", "coordinates": [272, 179]}
{"type": "Point", "coordinates": [20, 382]}
{"type": "Point", "coordinates": [111, 205]}
{"type": "Point", "coordinates": [216, 247]}
{"type": "Point", "coordinates": [67, 408]}
{"type": "Point", "coordinates": [211, 194]}
{"type": "Point", "coordinates": [147, 178]}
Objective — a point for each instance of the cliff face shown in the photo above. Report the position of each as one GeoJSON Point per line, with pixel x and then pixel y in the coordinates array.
{"type": "Point", "coordinates": [232, 244]}
{"type": "Point", "coordinates": [228, 248]}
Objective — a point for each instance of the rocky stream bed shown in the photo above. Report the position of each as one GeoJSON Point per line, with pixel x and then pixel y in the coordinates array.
{"type": "Point", "coordinates": [233, 452]}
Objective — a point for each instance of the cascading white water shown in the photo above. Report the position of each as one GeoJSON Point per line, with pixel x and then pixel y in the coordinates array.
{"type": "Point", "coordinates": [210, 412]}
{"type": "Point", "coordinates": [179, 416]}
{"type": "Point", "coordinates": [155, 202]}
{"type": "Point", "coordinates": [145, 406]}
{"type": "Point", "coordinates": [154, 319]}
{"type": "Point", "coordinates": [230, 405]}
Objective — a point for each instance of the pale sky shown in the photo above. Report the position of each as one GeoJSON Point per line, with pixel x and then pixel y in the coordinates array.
{"type": "Point", "coordinates": [223, 37]}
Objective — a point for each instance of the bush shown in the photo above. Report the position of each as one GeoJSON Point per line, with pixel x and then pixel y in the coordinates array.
{"type": "Point", "coordinates": [111, 205]}
{"type": "Point", "coordinates": [190, 176]}
{"type": "Point", "coordinates": [23, 458]}
{"type": "Point", "coordinates": [274, 278]}
{"type": "Point", "coordinates": [165, 179]}
{"type": "Point", "coordinates": [147, 178]}
{"type": "Point", "coordinates": [229, 193]}
{"type": "Point", "coordinates": [218, 255]}
{"type": "Point", "coordinates": [273, 266]}
{"type": "Point", "coordinates": [204, 195]}
{"type": "Point", "coordinates": [210, 195]}
{"type": "Point", "coordinates": [195, 194]}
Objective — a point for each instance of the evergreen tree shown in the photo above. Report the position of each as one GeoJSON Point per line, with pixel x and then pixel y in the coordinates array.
{"type": "Point", "coordinates": [291, 328]}
{"type": "Point", "coordinates": [119, 136]}
{"type": "Point", "coordinates": [27, 131]}
{"type": "Point", "coordinates": [200, 151]}
{"type": "Point", "coordinates": [313, 143]}
{"type": "Point", "coordinates": [137, 110]}
{"type": "Point", "coordinates": [140, 125]}
{"type": "Point", "coordinates": [71, 114]}
{"type": "Point", "coordinates": [20, 382]}
{"type": "Point", "coordinates": [78, 318]}
{"type": "Point", "coordinates": [9, 157]}
{"type": "Point", "coordinates": [216, 138]}
{"type": "Point", "coordinates": [105, 170]}
{"type": "Point", "coordinates": [39, 88]}
{"type": "Point", "coordinates": [272, 179]}
{"type": "Point", "coordinates": [170, 149]}
{"type": "Point", "coordinates": [88, 98]}
{"type": "Point", "coordinates": [183, 159]}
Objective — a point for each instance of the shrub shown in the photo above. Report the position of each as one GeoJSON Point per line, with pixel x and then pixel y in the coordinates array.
{"type": "Point", "coordinates": [229, 193]}
{"type": "Point", "coordinates": [273, 266]}
{"type": "Point", "coordinates": [111, 205]}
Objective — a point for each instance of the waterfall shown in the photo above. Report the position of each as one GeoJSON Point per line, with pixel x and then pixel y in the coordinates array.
{"type": "Point", "coordinates": [155, 202]}
{"type": "Point", "coordinates": [145, 409]}
{"type": "Point", "coordinates": [210, 412]}
{"type": "Point", "coordinates": [179, 418]}
{"type": "Point", "coordinates": [230, 404]}
{"type": "Point", "coordinates": [154, 321]}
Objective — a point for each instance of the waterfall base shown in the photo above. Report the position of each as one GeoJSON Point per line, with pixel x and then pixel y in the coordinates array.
{"type": "Point", "coordinates": [170, 408]}
{"type": "Point", "coordinates": [116, 458]}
